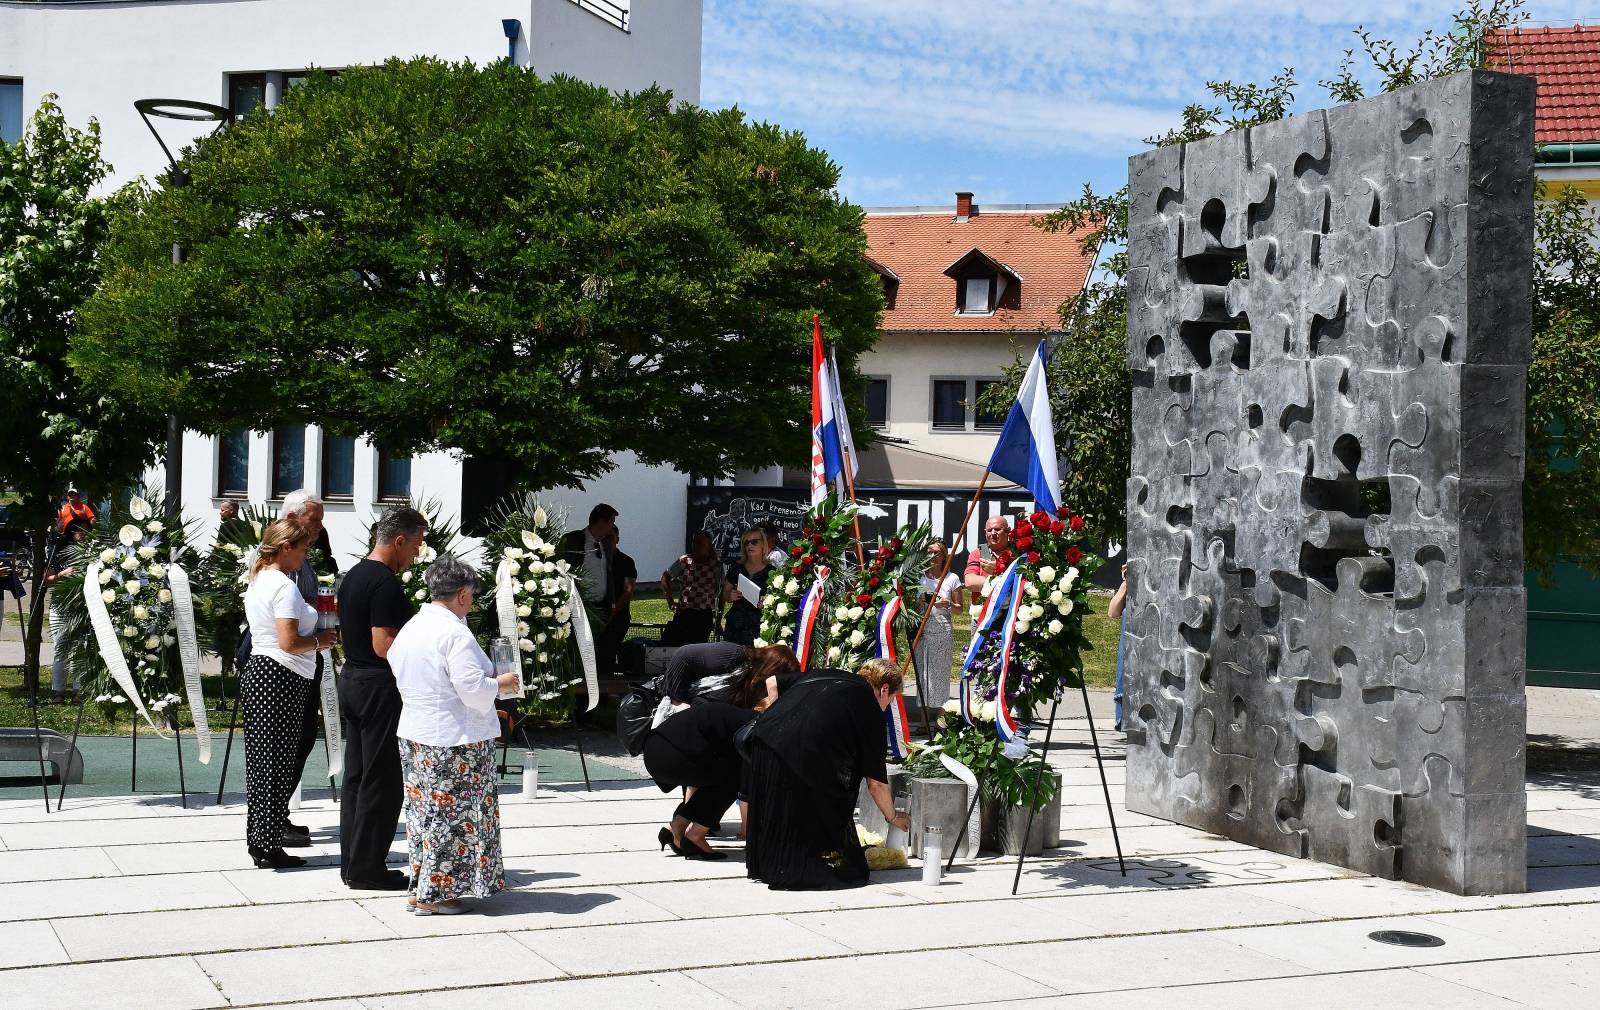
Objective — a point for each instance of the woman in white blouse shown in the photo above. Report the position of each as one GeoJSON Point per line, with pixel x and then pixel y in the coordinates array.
{"type": "Point", "coordinates": [447, 731]}
{"type": "Point", "coordinates": [275, 686]}
{"type": "Point", "coordinates": [934, 649]}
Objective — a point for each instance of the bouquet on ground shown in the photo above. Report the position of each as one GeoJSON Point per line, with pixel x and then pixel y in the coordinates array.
{"type": "Point", "coordinates": [868, 611]}
{"type": "Point", "coordinates": [1028, 639]}
{"type": "Point", "coordinates": [129, 616]}
{"type": "Point", "coordinates": [1002, 777]}
{"type": "Point", "coordinates": [793, 600]}
{"type": "Point", "coordinates": [536, 603]}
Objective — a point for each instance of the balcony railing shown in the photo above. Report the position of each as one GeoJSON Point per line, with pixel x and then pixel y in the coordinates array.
{"type": "Point", "coordinates": [611, 13]}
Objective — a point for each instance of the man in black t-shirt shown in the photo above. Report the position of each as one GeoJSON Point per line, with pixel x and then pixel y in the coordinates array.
{"type": "Point", "coordinates": [624, 576]}
{"type": "Point", "coordinates": [372, 609]}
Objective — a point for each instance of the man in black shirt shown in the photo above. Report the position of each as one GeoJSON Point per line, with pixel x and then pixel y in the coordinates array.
{"type": "Point", "coordinates": [624, 576]}
{"type": "Point", "coordinates": [372, 609]}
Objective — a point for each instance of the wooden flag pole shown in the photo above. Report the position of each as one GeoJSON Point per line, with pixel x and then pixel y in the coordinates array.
{"type": "Point", "coordinates": [850, 489]}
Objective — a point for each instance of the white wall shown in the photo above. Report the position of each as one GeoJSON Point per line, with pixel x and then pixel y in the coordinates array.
{"type": "Point", "coordinates": [98, 58]}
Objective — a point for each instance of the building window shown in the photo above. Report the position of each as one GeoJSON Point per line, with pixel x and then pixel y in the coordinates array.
{"type": "Point", "coordinates": [10, 110]}
{"type": "Point", "coordinates": [394, 477]}
{"type": "Point", "coordinates": [977, 294]}
{"type": "Point", "coordinates": [233, 464]}
{"type": "Point", "coordinates": [949, 404]}
{"type": "Point", "coordinates": [955, 406]}
{"type": "Point", "coordinates": [288, 459]}
{"type": "Point", "coordinates": [986, 420]}
{"type": "Point", "coordinates": [245, 93]}
{"type": "Point", "coordinates": [878, 403]}
{"type": "Point", "coordinates": [338, 467]}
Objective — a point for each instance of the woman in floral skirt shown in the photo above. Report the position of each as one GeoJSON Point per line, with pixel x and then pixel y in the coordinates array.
{"type": "Point", "coordinates": [447, 732]}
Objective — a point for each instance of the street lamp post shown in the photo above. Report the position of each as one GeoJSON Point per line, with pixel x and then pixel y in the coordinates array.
{"type": "Point", "coordinates": [189, 112]}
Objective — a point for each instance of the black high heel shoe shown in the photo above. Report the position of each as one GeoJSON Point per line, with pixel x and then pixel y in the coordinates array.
{"type": "Point", "coordinates": [664, 836]}
{"type": "Point", "coordinates": [690, 850]}
{"type": "Point", "coordinates": [274, 859]}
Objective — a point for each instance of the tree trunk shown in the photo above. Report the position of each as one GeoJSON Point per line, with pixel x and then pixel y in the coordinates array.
{"type": "Point", "coordinates": [33, 635]}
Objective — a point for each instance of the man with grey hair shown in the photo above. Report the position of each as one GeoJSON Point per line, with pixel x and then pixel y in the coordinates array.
{"type": "Point", "coordinates": [306, 509]}
{"type": "Point", "coordinates": [372, 610]}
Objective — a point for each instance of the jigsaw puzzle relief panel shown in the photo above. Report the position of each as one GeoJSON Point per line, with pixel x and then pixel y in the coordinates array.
{"type": "Point", "coordinates": [1328, 328]}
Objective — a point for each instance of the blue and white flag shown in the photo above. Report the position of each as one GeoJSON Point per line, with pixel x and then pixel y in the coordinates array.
{"type": "Point", "coordinates": [1026, 452]}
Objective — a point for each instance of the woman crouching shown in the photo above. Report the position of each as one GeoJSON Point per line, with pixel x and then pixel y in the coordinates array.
{"type": "Point", "coordinates": [806, 758]}
{"type": "Point", "coordinates": [447, 731]}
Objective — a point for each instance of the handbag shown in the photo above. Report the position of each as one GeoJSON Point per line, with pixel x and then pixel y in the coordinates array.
{"type": "Point", "coordinates": [742, 737]}
{"type": "Point", "coordinates": [636, 715]}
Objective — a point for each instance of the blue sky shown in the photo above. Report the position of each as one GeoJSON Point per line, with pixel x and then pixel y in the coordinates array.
{"type": "Point", "coordinates": [1020, 101]}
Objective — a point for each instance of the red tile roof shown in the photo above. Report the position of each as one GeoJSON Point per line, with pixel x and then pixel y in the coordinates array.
{"type": "Point", "coordinates": [1566, 62]}
{"type": "Point", "coordinates": [917, 247]}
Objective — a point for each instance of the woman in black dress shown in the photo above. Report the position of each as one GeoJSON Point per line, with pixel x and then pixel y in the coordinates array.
{"type": "Point", "coordinates": [727, 671]}
{"type": "Point", "coordinates": [694, 749]}
{"type": "Point", "coordinates": [805, 760]}
{"type": "Point", "coordinates": [743, 622]}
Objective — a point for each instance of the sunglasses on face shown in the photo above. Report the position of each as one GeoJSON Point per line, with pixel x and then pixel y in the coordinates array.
{"type": "Point", "coordinates": [752, 543]}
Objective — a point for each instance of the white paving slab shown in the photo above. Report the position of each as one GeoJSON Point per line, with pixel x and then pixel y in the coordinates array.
{"type": "Point", "coordinates": [1173, 959]}
{"type": "Point", "coordinates": [166, 983]}
{"type": "Point", "coordinates": [665, 946]}
{"type": "Point", "coordinates": [665, 990]}
{"type": "Point", "coordinates": [55, 864]}
{"type": "Point", "coordinates": [384, 966]}
{"type": "Point", "coordinates": [1345, 945]}
{"type": "Point", "coordinates": [194, 931]}
{"type": "Point", "coordinates": [523, 910]}
{"type": "Point", "coordinates": [882, 982]}
{"type": "Point", "coordinates": [25, 944]}
{"type": "Point", "coordinates": [740, 896]}
{"type": "Point", "coordinates": [1551, 983]}
{"type": "Point", "coordinates": [51, 898]}
{"type": "Point", "coordinates": [955, 925]}
{"type": "Point", "coordinates": [191, 857]}
{"type": "Point", "coordinates": [129, 831]}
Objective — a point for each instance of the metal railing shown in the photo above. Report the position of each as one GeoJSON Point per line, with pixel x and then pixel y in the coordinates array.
{"type": "Point", "coordinates": [605, 10]}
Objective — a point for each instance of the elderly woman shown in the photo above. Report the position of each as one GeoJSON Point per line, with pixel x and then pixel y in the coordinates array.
{"type": "Point", "coordinates": [806, 758]}
{"type": "Point", "coordinates": [275, 686]}
{"type": "Point", "coordinates": [447, 732]}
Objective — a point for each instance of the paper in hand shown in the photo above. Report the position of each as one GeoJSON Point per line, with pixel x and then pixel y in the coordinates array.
{"type": "Point", "coordinates": [750, 591]}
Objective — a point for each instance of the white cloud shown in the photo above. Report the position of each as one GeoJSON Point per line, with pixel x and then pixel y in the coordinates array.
{"type": "Point", "coordinates": [1008, 75]}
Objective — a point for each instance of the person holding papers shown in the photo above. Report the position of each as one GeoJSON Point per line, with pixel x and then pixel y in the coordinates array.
{"type": "Point", "coordinates": [743, 590]}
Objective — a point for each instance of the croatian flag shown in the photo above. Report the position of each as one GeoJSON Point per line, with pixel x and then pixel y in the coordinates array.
{"type": "Point", "coordinates": [831, 444]}
{"type": "Point", "coordinates": [1026, 452]}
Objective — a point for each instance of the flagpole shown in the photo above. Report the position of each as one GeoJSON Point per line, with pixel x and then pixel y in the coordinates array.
{"type": "Point", "coordinates": [850, 488]}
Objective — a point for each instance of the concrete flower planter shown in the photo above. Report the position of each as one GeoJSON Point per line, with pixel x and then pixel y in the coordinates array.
{"type": "Point", "coordinates": [1003, 828]}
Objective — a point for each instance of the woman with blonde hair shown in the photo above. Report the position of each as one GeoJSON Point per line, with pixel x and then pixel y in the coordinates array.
{"type": "Point", "coordinates": [743, 622]}
{"type": "Point", "coordinates": [274, 687]}
{"type": "Point", "coordinates": [806, 758]}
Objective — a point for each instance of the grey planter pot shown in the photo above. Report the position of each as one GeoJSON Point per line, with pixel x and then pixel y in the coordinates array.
{"type": "Point", "coordinates": [941, 802]}
{"type": "Point", "coordinates": [1002, 829]}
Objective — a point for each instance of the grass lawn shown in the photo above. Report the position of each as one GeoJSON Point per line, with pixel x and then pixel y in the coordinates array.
{"type": "Point", "coordinates": [14, 709]}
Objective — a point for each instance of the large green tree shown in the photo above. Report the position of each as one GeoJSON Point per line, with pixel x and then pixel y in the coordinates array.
{"type": "Point", "coordinates": [446, 256]}
{"type": "Point", "coordinates": [1092, 387]}
{"type": "Point", "coordinates": [55, 429]}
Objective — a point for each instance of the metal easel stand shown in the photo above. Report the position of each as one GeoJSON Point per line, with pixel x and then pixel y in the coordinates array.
{"type": "Point", "coordinates": [1038, 781]}
{"type": "Point", "coordinates": [233, 723]}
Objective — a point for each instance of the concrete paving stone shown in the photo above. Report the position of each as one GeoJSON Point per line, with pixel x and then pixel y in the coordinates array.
{"type": "Point", "coordinates": [129, 831]}
{"type": "Point", "coordinates": [555, 815]}
{"type": "Point", "coordinates": [1542, 929]}
{"type": "Point", "coordinates": [1569, 822]}
{"type": "Point", "coordinates": [1172, 959]}
{"type": "Point", "coordinates": [190, 857]}
{"type": "Point", "coordinates": [312, 883]}
{"type": "Point", "coordinates": [1345, 946]}
{"type": "Point", "coordinates": [1183, 908]}
{"type": "Point", "coordinates": [1363, 896]}
{"type": "Point", "coordinates": [636, 789]}
{"type": "Point", "coordinates": [150, 934]}
{"type": "Point", "coordinates": [1373, 990]}
{"type": "Point", "coordinates": [55, 864]}
{"type": "Point", "coordinates": [677, 945]}
{"type": "Point", "coordinates": [1552, 983]}
{"type": "Point", "coordinates": [25, 944]}
{"type": "Point", "coordinates": [1091, 796]}
{"type": "Point", "coordinates": [954, 925]}
{"type": "Point", "coordinates": [577, 840]}
{"type": "Point", "coordinates": [1144, 840]}
{"type": "Point", "coordinates": [106, 895]}
{"type": "Point", "coordinates": [740, 896]}
{"type": "Point", "coordinates": [882, 982]}
{"type": "Point", "coordinates": [379, 967]}
{"type": "Point", "coordinates": [522, 910]}
{"type": "Point", "coordinates": [1563, 850]}
{"type": "Point", "coordinates": [165, 983]}
{"type": "Point", "coordinates": [611, 868]}
{"type": "Point", "coordinates": [332, 1004]}
{"type": "Point", "coordinates": [644, 992]}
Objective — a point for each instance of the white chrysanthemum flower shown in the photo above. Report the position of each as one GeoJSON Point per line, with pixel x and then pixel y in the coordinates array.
{"type": "Point", "coordinates": [549, 549]}
{"type": "Point", "coordinates": [1047, 574]}
{"type": "Point", "coordinates": [523, 629]}
{"type": "Point", "coordinates": [107, 556]}
{"type": "Point", "coordinates": [154, 526]}
{"type": "Point", "coordinates": [110, 596]}
{"type": "Point", "coordinates": [985, 711]}
{"type": "Point", "coordinates": [119, 699]}
{"type": "Point", "coordinates": [563, 615]}
{"type": "Point", "coordinates": [147, 552]}
{"type": "Point", "coordinates": [787, 631]}
{"type": "Point", "coordinates": [164, 595]}
{"type": "Point", "coordinates": [541, 638]}
{"type": "Point", "coordinates": [525, 645]}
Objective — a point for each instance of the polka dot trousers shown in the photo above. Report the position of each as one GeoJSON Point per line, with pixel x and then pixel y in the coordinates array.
{"type": "Point", "coordinates": [274, 699]}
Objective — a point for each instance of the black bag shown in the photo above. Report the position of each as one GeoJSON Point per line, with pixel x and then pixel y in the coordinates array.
{"type": "Point", "coordinates": [636, 713]}
{"type": "Point", "coordinates": [245, 649]}
{"type": "Point", "coordinates": [742, 735]}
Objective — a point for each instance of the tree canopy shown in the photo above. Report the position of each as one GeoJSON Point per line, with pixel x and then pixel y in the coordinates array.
{"type": "Point", "coordinates": [445, 256]}
{"type": "Point", "coordinates": [56, 430]}
{"type": "Point", "coordinates": [1091, 386]}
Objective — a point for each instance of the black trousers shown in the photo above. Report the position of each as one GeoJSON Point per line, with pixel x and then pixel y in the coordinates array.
{"type": "Point", "coordinates": [370, 809]}
{"type": "Point", "coordinates": [716, 785]}
{"type": "Point", "coordinates": [308, 722]}
{"type": "Point", "coordinates": [273, 697]}
{"type": "Point", "coordinates": [688, 627]}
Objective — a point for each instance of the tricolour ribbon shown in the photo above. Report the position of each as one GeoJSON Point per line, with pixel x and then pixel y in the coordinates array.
{"type": "Point", "coordinates": [585, 639]}
{"type": "Point", "coordinates": [1005, 726]}
{"type": "Point", "coordinates": [805, 620]}
{"type": "Point", "coordinates": [895, 720]}
{"type": "Point", "coordinates": [110, 645]}
{"type": "Point", "coordinates": [993, 607]}
{"type": "Point", "coordinates": [189, 655]}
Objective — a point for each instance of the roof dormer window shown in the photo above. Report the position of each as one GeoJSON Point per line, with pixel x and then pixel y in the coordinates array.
{"type": "Point", "coordinates": [982, 284]}
{"type": "Point", "coordinates": [890, 279]}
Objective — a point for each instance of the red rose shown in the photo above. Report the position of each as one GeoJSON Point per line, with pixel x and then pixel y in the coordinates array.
{"type": "Point", "coordinates": [1074, 555]}
{"type": "Point", "coordinates": [1057, 527]}
{"type": "Point", "coordinates": [805, 563]}
{"type": "Point", "coordinates": [1033, 557]}
{"type": "Point", "coordinates": [896, 543]}
{"type": "Point", "coordinates": [1040, 518]}
{"type": "Point", "coordinates": [864, 599]}
{"type": "Point", "coordinates": [795, 552]}
{"type": "Point", "coordinates": [1025, 543]}
{"type": "Point", "coordinates": [822, 548]}
{"type": "Point", "coordinates": [872, 583]}
{"type": "Point", "coordinates": [1076, 523]}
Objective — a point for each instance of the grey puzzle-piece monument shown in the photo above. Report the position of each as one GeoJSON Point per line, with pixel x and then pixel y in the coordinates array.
{"type": "Point", "coordinates": [1328, 327]}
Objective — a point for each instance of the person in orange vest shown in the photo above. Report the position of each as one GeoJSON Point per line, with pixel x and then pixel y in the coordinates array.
{"type": "Point", "coordinates": [75, 509]}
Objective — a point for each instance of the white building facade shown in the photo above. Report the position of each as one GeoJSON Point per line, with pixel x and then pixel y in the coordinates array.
{"type": "Point", "coordinates": [99, 57]}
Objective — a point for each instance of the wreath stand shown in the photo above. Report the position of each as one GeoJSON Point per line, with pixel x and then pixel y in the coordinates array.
{"type": "Point", "coordinates": [133, 735]}
{"type": "Point", "coordinates": [517, 726]}
{"type": "Point", "coordinates": [38, 737]}
{"type": "Point", "coordinates": [1038, 781]}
